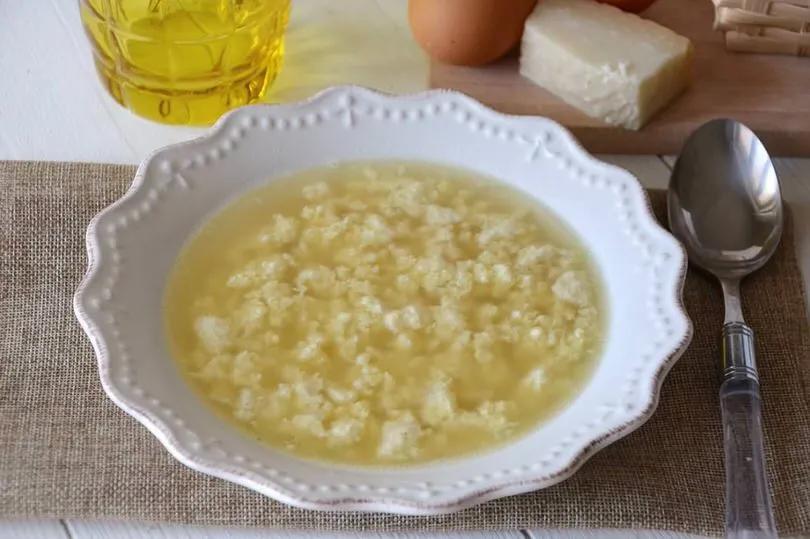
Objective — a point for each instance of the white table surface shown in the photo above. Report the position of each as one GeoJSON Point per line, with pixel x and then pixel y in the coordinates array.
{"type": "Point", "coordinates": [53, 108]}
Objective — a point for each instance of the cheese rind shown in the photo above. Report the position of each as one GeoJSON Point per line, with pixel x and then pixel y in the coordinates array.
{"type": "Point", "coordinates": [610, 64]}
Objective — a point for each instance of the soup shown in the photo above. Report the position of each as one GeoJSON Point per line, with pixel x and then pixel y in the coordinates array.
{"type": "Point", "coordinates": [381, 313]}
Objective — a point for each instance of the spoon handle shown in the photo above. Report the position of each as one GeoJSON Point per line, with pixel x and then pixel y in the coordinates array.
{"type": "Point", "coordinates": [748, 501]}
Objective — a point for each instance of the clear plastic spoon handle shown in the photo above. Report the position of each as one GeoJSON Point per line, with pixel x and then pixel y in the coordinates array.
{"type": "Point", "coordinates": [748, 502]}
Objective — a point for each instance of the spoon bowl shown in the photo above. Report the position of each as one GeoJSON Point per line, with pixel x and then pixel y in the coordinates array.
{"type": "Point", "coordinates": [725, 203]}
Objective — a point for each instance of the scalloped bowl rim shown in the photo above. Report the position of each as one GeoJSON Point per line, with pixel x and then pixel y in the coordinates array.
{"type": "Point", "coordinates": [420, 500]}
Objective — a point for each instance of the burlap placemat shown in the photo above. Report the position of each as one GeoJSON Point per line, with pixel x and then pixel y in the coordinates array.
{"type": "Point", "coordinates": [68, 451]}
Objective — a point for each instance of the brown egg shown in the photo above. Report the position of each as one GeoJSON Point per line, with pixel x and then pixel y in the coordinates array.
{"type": "Point", "coordinates": [468, 32]}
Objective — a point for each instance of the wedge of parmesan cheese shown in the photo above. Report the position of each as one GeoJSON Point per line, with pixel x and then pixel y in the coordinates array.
{"type": "Point", "coordinates": [611, 65]}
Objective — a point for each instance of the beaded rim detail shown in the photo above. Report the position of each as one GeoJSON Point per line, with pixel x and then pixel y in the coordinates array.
{"type": "Point", "coordinates": [634, 402]}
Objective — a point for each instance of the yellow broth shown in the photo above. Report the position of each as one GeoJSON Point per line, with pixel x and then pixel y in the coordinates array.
{"type": "Point", "coordinates": [382, 312]}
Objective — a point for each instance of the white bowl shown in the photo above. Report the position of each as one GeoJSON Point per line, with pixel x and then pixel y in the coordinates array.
{"type": "Point", "coordinates": [132, 246]}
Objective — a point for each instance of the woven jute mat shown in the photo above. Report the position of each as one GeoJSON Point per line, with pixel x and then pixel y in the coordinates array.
{"type": "Point", "coordinates": [67, 451]}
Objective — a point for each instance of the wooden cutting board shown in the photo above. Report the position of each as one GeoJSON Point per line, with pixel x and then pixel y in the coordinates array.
{"type": "Point", "coordinates": [769, 93]}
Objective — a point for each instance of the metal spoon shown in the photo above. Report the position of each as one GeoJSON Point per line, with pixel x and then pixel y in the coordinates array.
{"type": "Point", "coordinates": [725, 206]}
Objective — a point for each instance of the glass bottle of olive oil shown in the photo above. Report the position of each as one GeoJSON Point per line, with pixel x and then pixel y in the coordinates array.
{"type": "Point", "coordinates": [186, 61]}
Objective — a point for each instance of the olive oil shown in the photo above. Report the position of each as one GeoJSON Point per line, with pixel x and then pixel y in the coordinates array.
{"type": "Point", "coordinates": [186, 61]}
